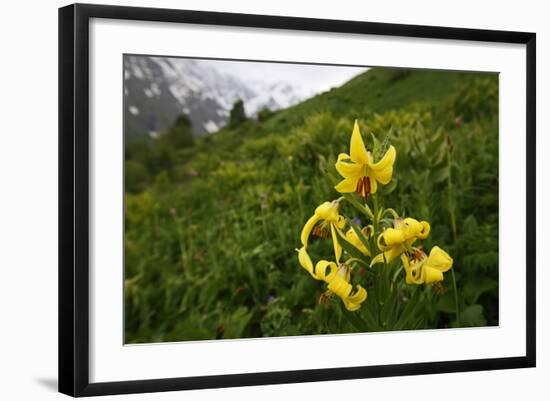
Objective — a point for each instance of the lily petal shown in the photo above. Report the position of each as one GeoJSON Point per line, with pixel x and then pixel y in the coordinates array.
{"type": "Point", "coordinates": [347, 185]}
{"type": "Point", "coordinates": [392, 236]}
{"type": "Point", "coordinates": [347, 168]}
{"type": "Point", "coordinates": [409, 277]}
{"type": "Point", "coordinates": [307, 229]}
{"type": "Point", "coordinates": [306, 263]}
{"type": "Point", "coordinates": [389, 255]}
{"type": "Point", "coordinates": [358, 152]}
{"type": "Point", "coordinates": [336, 244]}
{"type": "Point", "coordinates": [431, 275]}
{"type": "Point", "coordinates": [386, 161]}
{"type": "Point", "coordinates": [382, 171]}
{"type": "Point", "coordinates": [354, 240]}
{"type": "Point", "coordinates": [383, 176]}
{"type": "Point", "coordinates": [425, 230]}
{"type": "Point", "coordinates": [353, 302]}
{"type": "Point", "coordinates": [341, 221]}
{"type": "Point", "coordinates": [340, 286]}
{"type": "Point", "coordinates": [373, 184]}
{"type": "Point", "coordinates": [439, 259]}
{"type": "Point", "coordinates": [325, 270]}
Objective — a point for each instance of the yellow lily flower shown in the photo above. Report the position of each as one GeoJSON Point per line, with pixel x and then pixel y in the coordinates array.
{"type": "Point", "coordinates": [429, 269]}
{"type": "Point", "coordinates": [337, 278]}
{"type": "Point", "coordinates": [354, 240]}
{"type": "Point", "coordinates": [361, 174]}
{"type": "Point", "coordinates": [399, 238]}
{"type": "Point", "coordinates": [325, 219]}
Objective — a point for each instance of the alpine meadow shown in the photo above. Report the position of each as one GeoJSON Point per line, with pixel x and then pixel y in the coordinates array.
{"type": "Point", "coordinates": [372, 206]}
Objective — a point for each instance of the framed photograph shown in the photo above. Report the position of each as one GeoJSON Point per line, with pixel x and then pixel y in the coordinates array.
{"type": "Point", "coordinates": [251, 199]}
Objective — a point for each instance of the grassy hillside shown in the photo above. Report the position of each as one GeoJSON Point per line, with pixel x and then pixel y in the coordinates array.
{"type": "Point", "coordinates": [212, 227]}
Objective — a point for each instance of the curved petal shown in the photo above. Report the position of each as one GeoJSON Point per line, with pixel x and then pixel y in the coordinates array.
{"type": "Point", "coordinates": [373, 184]}
{"type": "Point", "coordinates": [411, 228]}
{"type": "Point", "coordinates": [407, 267]}
{"type": "Point", "coordinates": [340, 286]}
{"type": "Point", "coordinates": [347, 185]}
{"type": "Point", "coordinates": [321, 270]}
{"type": "Point", "coordinates": [386, 161]}
{"type": "Point", "coordinates": [335, 243]}
{"type": "Point", "coordinates": [387, 256]}
{"type": "Point", "coordinates": [432, 275]}
{"type": "Point", "coordinates": [383, 170]}
{"type": "Point", "coordinates": [425, 230]}
{"type": "Point", "coordinates": [348, 168]}
{"type": "Point", "coordinates": [354, 240]}
{"type": "Point", "coordinates": [307, 229]}
{"type": "Point", "coordinates": [439, 259]}
{"type": "Point", "coordinates": [326, 210]}
{"type": "Point", "coordinates": [357, 149]}
{"type": "Point", "coordinates": [306, 263]}
{"type": "Point", "coordinates": [393, 236]}
{"type": "Point", "coordinates": [353, 302]}
{"type": "Point", "coordinates": [412, 271]}
{"type": "Point", "coordinates": [383, 176]}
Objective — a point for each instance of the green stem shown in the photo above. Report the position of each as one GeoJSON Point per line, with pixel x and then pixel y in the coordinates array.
{"type": "Point", "coordinates": [456, 296]}
{"type": "Point", "coordinates": [395, 277]}
{"type": "Point", "coordinates": [375, 217]}
{"type": "Point", "coordinates": [377, 286]}
{"type": "Point", "coordinates": [354, 319]}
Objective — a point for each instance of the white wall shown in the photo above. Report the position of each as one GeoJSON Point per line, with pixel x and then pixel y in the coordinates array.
{"type": "Point", "coordinates": [28, 198]}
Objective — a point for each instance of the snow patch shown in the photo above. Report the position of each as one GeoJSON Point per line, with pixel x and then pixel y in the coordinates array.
{"type": "Point", "coordinates": [210, 126]}
{"type": "Point", "coordinates": [155, 89]}
{"type": "Point", "coordinates": [136, 71]}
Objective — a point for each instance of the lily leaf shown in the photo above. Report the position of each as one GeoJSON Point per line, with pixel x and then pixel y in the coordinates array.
{"type": "Point", "coordinates": [354, 319]}
{"type": "Point", "coordinates": [473, 316]}
{"type": "Point", "coordinates": [474, 289]}
{"type": "Point", "coordinates": [365, 209]}
{"type": "Point", "coordinates": [440, 174]}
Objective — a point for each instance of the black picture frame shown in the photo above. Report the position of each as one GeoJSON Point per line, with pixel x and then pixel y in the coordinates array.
{"type": "Point", "coordinates": [74, 194]}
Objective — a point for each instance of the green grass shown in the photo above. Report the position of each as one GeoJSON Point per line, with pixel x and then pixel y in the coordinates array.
{"type": "Point", "coordinates": [211, 235]}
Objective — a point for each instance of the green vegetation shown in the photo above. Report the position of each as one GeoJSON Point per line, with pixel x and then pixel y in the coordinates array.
{"type": "Point", "coordinates": [237, 114]}
{"type": "Point", "coordinates": [212, 224]}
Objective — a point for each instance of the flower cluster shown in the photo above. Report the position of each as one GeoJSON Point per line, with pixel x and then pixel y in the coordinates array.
{"type": "Point", "coordinates": [381, 242]}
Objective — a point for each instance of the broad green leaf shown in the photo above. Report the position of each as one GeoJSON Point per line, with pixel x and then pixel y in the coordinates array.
{"type": "Point", "coordinates": [440, 174]}
{"type": "Point", "coordinates": [474, 289]}
{"type": "Point", "coordinates": [446, 303]}
{"type": "Point", "coordinates": [473, 316]}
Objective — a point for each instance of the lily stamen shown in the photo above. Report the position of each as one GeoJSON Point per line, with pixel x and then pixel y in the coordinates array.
{"type": "Point", "coordinates": [321, 230]}
{"type": "Point", "coordinates": [359, 189]}
{"type": "Point", "coordinates": [363, 187]}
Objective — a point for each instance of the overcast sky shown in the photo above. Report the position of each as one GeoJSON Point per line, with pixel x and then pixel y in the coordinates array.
{"type": "Point", "coordinates": [315, 78]}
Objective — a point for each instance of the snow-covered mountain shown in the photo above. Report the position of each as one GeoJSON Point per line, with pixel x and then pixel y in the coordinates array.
{"type": "Point", "coordinates": [158, 89]}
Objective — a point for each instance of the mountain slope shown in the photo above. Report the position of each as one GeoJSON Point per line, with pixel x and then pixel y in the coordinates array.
{"type": "Point", "coordinates": [158, 89]}
{"type": "Point", "coordinates": [375, 91]}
